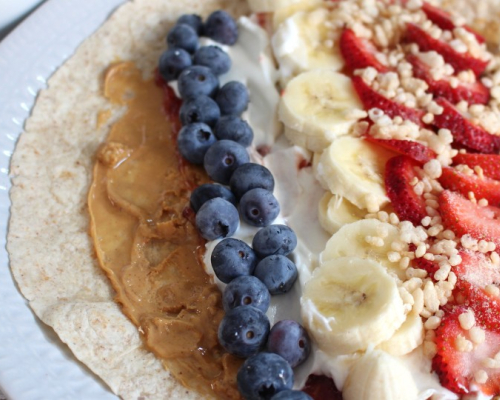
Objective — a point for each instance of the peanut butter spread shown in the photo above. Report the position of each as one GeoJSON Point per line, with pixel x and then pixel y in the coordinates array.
{"type": "Point", "coordinates": [146, 242]}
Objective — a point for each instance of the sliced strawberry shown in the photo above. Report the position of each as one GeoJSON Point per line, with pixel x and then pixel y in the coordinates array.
{"type": "Point", "coordinates": [465, 133]}
{"type": "Point", "coordinates": [319, 387]}
{"type": "Point", "coordinates": [443, 19]}
{"type": "Point", "coordinates": [463, 216]}
{"type": "Point", "coordinates": [490, 163]}
{"type": "Point", "coordinates": [359, 52]}
{"type": "Point", "coordinates": [372, 99]}
{"type": "Point", "coordinates": [483, 188]}
{"type": "Point", "coordinates": [459, 61]}
{"type": "Point", "coordinates": [473, 93]}
{"type": "Point", "coordinates": [399, 172]}
{"type": "Point", "coordinates": [456, 368]}
{"type": "Point", "coordinates": [414, 150]}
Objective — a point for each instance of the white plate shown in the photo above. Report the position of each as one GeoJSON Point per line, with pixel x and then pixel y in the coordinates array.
{"type": "Point", "coordinates": [34, 364]}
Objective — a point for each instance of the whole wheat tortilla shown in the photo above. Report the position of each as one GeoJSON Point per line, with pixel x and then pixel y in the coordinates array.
{"type": "Point", "coordinates": [51, 254]}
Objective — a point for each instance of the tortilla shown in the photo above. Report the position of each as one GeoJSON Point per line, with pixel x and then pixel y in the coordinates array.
{"type": "Point", "coordinates": [51, 254]}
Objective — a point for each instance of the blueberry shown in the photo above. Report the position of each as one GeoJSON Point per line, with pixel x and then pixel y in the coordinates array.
{"type": "Point", "coordinates": [173, 62]}
{"type": "Point", "coordinates": [243, 331]}
{"type": "Point", "coordinates": [258, 207]}
{"type": "Point", "coordinates": [291, 395]}
{"type": "Point", "coordinates": [274, 240]}
{"type": "Point", "coordinates": [246, 291]}
{"type": "Point", "coordinates": [290, 340]}
{"type": "Point", "coordinates": [200, 109]}
{"type": "Point", "coordinates": [250, 176]}
{"type": "Point", "coordinates": [208, 191]}
{"type": "Point", "coordinates": [197, 80]}
{"type": "Point", "coordinates": [222, 158]}
{"type": "Point", "coordinates": [214, 58]}
{"type": "Point", "coordinates": [217, 219]}
{"type": "Point", "coordinates": [232, 127]}
{"type": "Point", "coordinates": [263, 375]}
{"type": "Point", "coordinates": [194, 140]}
{"type": "Point", "coordinates": [182, 36]}
{"type": "Point", "coordinates": [193, 20]}
{"type": "Point", "coordinates": [221, 27]}
{"type": "Point", "coordinates": [232, 258]}
{"type": "Point", "coordinates": [278, 273]}
{"type": "Point", "coordinates": [232, 98]}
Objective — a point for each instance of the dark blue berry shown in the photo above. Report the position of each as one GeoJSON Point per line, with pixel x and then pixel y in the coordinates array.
{"type": "Point", "coordinates": [243, 331]}
{"type": "Point", "coordinates": [232, 98]}
{"type": "Point", "coordinates": [194, 140]}
{"type": "Point", "coordinates": [250, 176]}
{"type": "Point", "coordinates": [291, 395]}
{"type": "Point", "coordinates": [222, 158]}
{"type": "Point", "coordinates": [263, 375]}
{"type": "Point", "coordinates": [290, 340]}
{"type": "Point", "coordinates": [214, 58]}
{"type": "Point", "coordinates": [278, 273]}
{"type": "Point", "coordinates": [193, 20]}
{"type": "Point", "coordinates": [232, 258]}
{"type": "Point", "coordinates": [246, 291]}
{"type": "Point", "coordinates": [232, 127]}
{"type": "Point", "coordinates": [183, 36]}
{"type": "Point", "coordinates": [221, 27]}
{"type": "Point", "coordinates": [197, 80]}
{"type": "Point", "coordinates": [173, 62]}
{"type": "Point", "coordinates": [217, 219]}
{"type": "Point", "coordinates": [200, 109]}
{"type": "Point", "coordinates": [274, 240]}
{"type": "Point", "coordinates": [258, 207]}
{"type": "Point", "coordinates": [209, 191]}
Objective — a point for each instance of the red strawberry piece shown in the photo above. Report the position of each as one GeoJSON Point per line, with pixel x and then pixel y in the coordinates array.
{"type": "Point", "coordinates": [359, 52]}
{"type": "Point", "coordinates": [463, 216]}
{"type": "Point", "coordinates": [430, 266]}
{"type": "Point", "coordinates": [414, 150]}
{"type": "Point", "coordinates": [443, 19]}
{"type": "Point", "coordinates": [483, 188]}
{"type": "Point", "coordinates": [319, 387]}
{"type": "Point", "coordinates": [473, 93]}
{"type": "Point", "coordinates": [456, 368]}
{"type": "Point", "coordinates": [465, 133]}
{"type": "Point", "coordinates": [372, 99]}
{"type": "Point", "coordinates": [459, 61]}
{"type": "Point", "coordinates": [399, 172]}
{"type": "Point", "coordinates": [490, 163]}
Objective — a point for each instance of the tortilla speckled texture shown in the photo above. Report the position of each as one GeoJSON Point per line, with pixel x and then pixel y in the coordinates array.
{"type": "Point", "coordinates": [51, 253]}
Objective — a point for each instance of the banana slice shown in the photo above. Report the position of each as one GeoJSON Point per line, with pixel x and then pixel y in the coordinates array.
{"type": "Point", "coordinates": [378, 375]}
{"type": "Point", "coordinates": [354, 168]}
{"type": "Point", "coordinates": [334, 212]}
{"type": "Point", "coordinates": [407, 338]}
{"type": "Point", "coordinates": [350, 240]}
{"type": "Point", "coordinates": [282, 13]}
{"type": "Point", "coordinates": [306, 41]}
{"type": "Point", "coordinates": [351, 303]}
{"type": "Point", "coordinates": [314, 104]}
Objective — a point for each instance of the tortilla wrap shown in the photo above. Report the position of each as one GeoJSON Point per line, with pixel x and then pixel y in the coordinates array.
{"type": "Point", "coordinates": [51, 254]}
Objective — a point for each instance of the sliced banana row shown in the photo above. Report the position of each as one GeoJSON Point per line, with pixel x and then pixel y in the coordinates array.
{"type": "Point", "coordinates": [335, 211]}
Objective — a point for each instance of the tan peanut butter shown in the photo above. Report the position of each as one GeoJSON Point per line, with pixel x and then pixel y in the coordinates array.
{"type": "Point", "coordinates": [146, 242]}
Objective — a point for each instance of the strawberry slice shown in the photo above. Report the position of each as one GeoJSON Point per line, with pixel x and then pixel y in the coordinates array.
{"type": "Point", "coordinates": [465, 133]}
{"type": "Point", "coordinates": [359, 52]}
{"type": "Point", "coordinates": [459, 61]}
{"type": "Point", "coordinates": [490, 163]}
{"type": "Point", "coordinates": [399, 172]}
{"type": "Point", "coordinates": [414, 150]}
{"type": "Point", "coordinates": [443, 19]}
{"type": "Point", "coordinates": [463, 216]}
{"type": "Point", "coordinates": [319, 387]}
{"type": "Point", "coordinates": [456, 368]}
{"type": "Point", "coordinates": [372, 99]}
{"type": "Point", "coordinates": [473, 93]}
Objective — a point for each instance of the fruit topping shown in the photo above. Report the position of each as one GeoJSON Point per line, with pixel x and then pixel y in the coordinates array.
{"type": "Point", "coordinates": [193, 20]}
{"type": "Point", "coordinates": [232, 98]}
{"type": "Point", "coordinates": [489, 163]}
{"type": "Point", "coordinates": [232, 258]}
{"type": "Point", "coordinates": [221, 27]}
{"type": "Point", "coordinates": [414, 150]}
{"type": "Point", "coordinates": [246, 290]}
{"type": "Point", "coordinates": [358, 52]}
{"type": "Point", "coordinates": [233, 128]}
{"type": "Point", "coordinates": [289, 340]}
{"type": "Point", "coordinates": [408, 205]}
{"type": "Point", "coordinates": [197, 80]}
{"type": "Point", "coordinates": [291, 395]}
{"type": "Point", "coordinates": [464, 132]}
{"type": "Point", "coordinates": [194, 140]}
{"type": "Point", "coordinates": [183, 36]}
{"type": "Point", "coordinates": [222, 158]}
{"type": "Point", "coordinates": [258, 207]}
{"type": "Point", "coordinates": [217, 218]}
{"type": "Point", "coordinates": [208, 191]}
{"type": "Point", "coordinates": [278, 273]}
{"type": "Point", "coordinates": [274, 240]}
{"type": "Point", "coordinates": [199, 109]}
{"type": "Point", "coordinates": [320, 387]}
{"type": "Point", "coordinates": [173, 62]}
{"type": "Point", "coordinates": [214, 58]}
{"type": "Point", "coordinates": [250, 176]}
